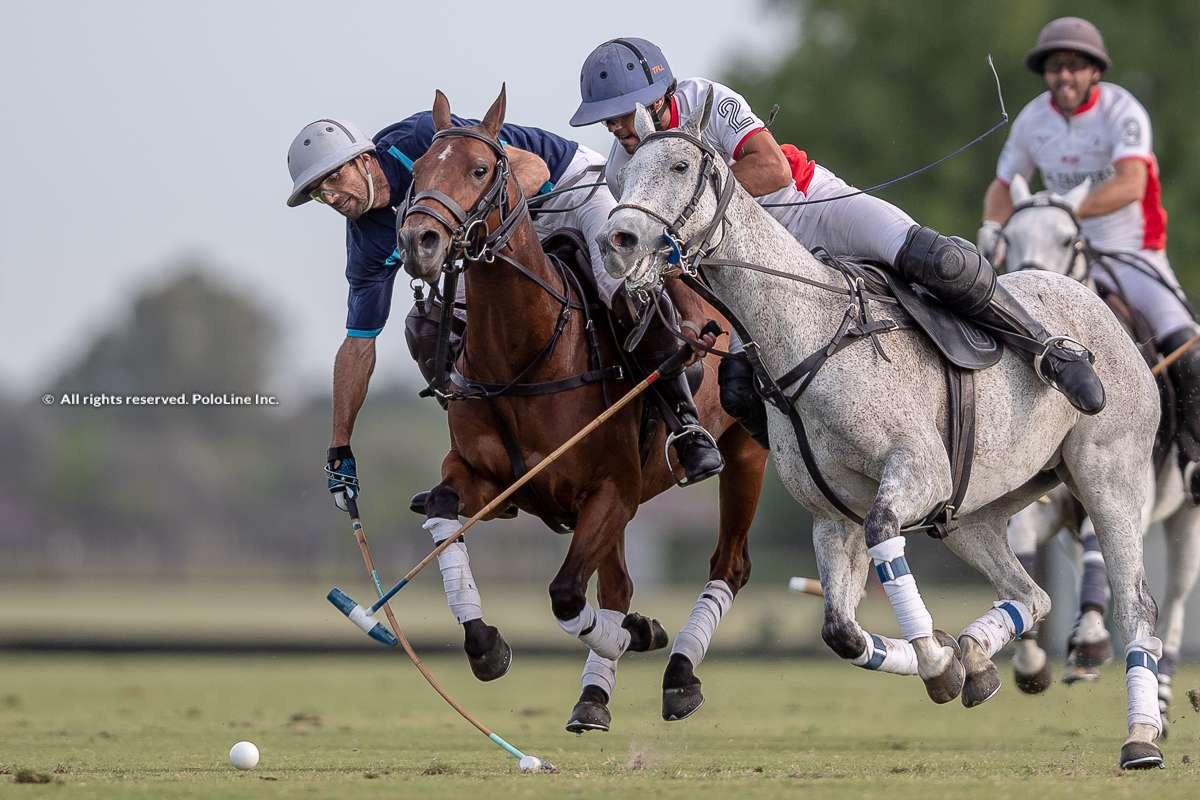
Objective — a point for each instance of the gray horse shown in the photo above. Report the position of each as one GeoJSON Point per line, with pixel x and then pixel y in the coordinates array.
{"type": "Point", "coordinates": [875, 426]}
{"type": "Point", "coordinates": [1045, 234]}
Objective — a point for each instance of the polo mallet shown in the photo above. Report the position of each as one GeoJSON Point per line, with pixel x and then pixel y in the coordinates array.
{"type": "Point", "coordinates": [1174, 355]}
{"type": "Point", "coordinates": [363, 617]}
{"type": "Point", "coordinates": [812, 586]}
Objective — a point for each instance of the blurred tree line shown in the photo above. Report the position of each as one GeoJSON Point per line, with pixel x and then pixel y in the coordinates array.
{"type": "Point", "coordinates": [873, 90]}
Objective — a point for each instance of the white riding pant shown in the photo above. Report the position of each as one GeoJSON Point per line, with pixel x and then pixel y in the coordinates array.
{"type": "Point", "coordinates": [862, 226]}
{"type": "Point", "coordinates": [590, 210]}
{"type": "Point", "coordinates": [1154, 300]}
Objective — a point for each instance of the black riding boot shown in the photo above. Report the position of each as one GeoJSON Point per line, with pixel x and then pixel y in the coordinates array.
{"type": "Point", "coordinates": [953, 271]}
{"type": "Point", "coordinates": [1185, 375]}
{"type": "Point", "coordinates": [739, 398]}
{"type": "Point", "coordinates": [695, 449]}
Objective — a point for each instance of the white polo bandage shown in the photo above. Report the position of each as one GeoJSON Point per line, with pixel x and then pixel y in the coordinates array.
{"type": "Point", "coordinates": [461, 595]}
{"type": "Point", "coordinates": [1141, 682]}
{"type": "Point", "coordinates": [599, 671]}
{"type": "Point", "coordinates": [600, 631]}
{"type": "Point", "coordinates": [1006, 620]}
{"type": "Point", "coordinates": [901, 588]}
{"type": "Point", "coordinates": [884, 654]}
{"type": "Point", "coordinates": [694, 637]}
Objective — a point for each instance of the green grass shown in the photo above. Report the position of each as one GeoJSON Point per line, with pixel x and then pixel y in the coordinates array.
{"type": "Point", "coordinates": [130, 727]}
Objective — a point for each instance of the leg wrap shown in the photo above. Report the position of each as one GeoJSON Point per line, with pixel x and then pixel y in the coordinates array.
{"type": "Point", "coordinates": [1005, 621]}
{"type": "Point", "coordinates": [901, 588]}
{"type": "Point", "coordinates": [949, 267]}
{"type": "Point", "coordinates": [693, 638]}
{"type": "Point", "coordinates": [1141, 682]}
{"type": "Point", "coordinates": [600, 630]}
{"type": "Point", "coordinates": [894, 656]}
{"type": "Point", "coordinates": [461, 594]}
{"type": "Point", "coordinates": [599, 671]}
{"type": "Point", "coordinates": [1093, 587]}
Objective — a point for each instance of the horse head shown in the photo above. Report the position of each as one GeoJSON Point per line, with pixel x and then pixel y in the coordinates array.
{"type": "Point", "coordinates": [1043, 230]}
{"type": "Point", "coordinates": [460, 194]}
{"type": "Point", "coordinates": [668, 195]}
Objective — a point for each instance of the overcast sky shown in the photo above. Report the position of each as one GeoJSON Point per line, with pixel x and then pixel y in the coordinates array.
{"type": "Point", "coordinates": [136, 133]}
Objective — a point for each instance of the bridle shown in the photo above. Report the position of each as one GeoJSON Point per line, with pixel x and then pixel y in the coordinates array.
{"type": "Point", "coordinates": [1075, 263]}
{"type": "Point", "coordinates": [687, 254]}
{"type": "Point", "coordinates": [470, 238]}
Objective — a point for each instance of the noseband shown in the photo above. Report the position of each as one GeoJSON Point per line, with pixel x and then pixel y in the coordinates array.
{"type": "Point", "coordinates": [687, 254]}
{"type": "Point", "coordinates": [469, 236]}
{"type": "Point", "coordinates": [1077, 247]}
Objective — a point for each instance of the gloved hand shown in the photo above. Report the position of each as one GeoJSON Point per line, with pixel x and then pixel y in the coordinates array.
{"type": "Point", "coordinates": [342, 475]}
{"type": "Point", "coordinates": [988, 240]}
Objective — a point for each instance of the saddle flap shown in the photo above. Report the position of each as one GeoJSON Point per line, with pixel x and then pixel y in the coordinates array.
{"type": "Point", "coordinates": [570, 247]}
{"type": "Point", "coordinates": [963, 343]}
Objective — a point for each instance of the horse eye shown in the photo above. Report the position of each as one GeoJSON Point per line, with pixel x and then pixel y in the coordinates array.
{"type": "Point", "coordinates": [680, 166]}
{"type": "Point", "coordinates": [479, 171]}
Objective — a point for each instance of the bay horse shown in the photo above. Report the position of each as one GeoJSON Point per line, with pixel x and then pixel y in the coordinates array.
{"type": "Point", "coordinates": [527, 353]}
{"type": "Point", "coordinates": [872, 423]}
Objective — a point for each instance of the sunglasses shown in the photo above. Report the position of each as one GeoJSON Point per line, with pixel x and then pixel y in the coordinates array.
{"type": "Point", "coordinates": [315, 193]}
{"type": "Point", "coordinates": [1055, 66]}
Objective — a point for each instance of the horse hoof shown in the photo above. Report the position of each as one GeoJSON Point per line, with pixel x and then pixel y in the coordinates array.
{"type": "Point", "coordinates": [1090, 655]}
{"type": "Point", "coordinates": [981, 686]}
{"type": "Point", "coordinates": [681, 690]}
{"type": "Point", "coordinates": [1036, 683]}
{"type": "Point", "coordinates": [947, 686]}
{"type": "Point", "coordinates": [589, 715]}
{"type": "Point", "coordinates": [1141, 755]}
{"type": "Point", "coordinates": [645, 634]}
{"type": "Point", "coordinates": [494, 661]}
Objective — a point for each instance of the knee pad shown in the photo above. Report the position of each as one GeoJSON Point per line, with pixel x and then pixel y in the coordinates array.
{"type": "Point", "coordinates": [735, 377]}
{"type": "Point", "coordinates": [949, 267]}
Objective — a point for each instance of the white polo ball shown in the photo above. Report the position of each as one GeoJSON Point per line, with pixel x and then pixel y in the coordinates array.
{"type": "Point", "coordinates": [530, 764]}
{"type": "Point", "coordinates": [244, 755]}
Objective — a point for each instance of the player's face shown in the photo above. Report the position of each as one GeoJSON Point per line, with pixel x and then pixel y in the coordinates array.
{"type": "Point", "coordinates": [344, 190]}
{"type": "Point", "coordinates": [1069, 76]}
{"type": "Point", "coordinates": [623, 129]}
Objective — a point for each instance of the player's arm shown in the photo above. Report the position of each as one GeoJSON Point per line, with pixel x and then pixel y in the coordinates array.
{"type": "Point", "coordinates": [760, 166]}
{"type": "Point", "coordinates": [997, 202]}
{"type": "Point", "coordinates": [1127, 186]}
{"type": "Point", "coordinates": [352, 369]}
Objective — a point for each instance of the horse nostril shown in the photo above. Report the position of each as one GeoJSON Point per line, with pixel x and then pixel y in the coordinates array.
{"type": "Point", "coordinates": [428, 240]}
{"type": "Point", "coordinates": [623, 240]}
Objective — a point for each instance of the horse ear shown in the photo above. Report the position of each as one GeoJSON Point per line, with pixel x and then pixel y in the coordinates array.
{"type": "Point", "coordinates": [706, 109]}
{"type": "Point", "coordinates": [441, 111]}
{"type": "Point", "coordinates": [1075, 197]}
{"type": "Point", "coordinates": [643, 123]}
{"type": "Point", "coordinates": [494, 118]}
{"type": "Point", "coordinates": [1018, 190]}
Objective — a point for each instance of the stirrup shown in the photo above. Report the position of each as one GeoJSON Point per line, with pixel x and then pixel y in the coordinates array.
{"type": "Point", "coordinates": [684, 430]}
{"type": "Point", "coordinates": [1049, 344]}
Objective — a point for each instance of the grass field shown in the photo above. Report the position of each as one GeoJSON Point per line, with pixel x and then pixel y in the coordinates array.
{"type": "Point", "coordinates": [118, 727]}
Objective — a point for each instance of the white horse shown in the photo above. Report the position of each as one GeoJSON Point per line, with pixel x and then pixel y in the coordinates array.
{"type": "Point", "coordinates": [875, 427]}
{"type": "Point", "coordinates": [1044, 233]}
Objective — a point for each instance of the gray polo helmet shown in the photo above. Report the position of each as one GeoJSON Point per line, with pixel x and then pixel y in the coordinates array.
{"type": "Point", "coordinates": [319, 149]}
{"type": "Point", "coordinates": [1068, 33]}
{"type": "Point", "coordinates": [617, 76]}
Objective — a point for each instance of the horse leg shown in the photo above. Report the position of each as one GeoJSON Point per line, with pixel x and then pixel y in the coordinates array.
{"type": "Point", "coordinates": [729, 570]}
{"type": "Point", "coordinates": [902, 497]}
{"type": "Point", "coordinates": [614, 590]}
{"type": "Point", "coordinates": [1027, 529]}
{"type": "Point", "coordinates": [842, 564]}
{"type": "Point", "coordinates": [1183, 564]}
{"type": "Point", "coordinates": [1112, 491]}
{"type": "Point", "coordinates": [1090, 645]}
{"type": "Point", "coordinates": [982, 542]}
{"type": "Point", "coordinates": [487, 652]}
{"type": "Point", "coordinates": [598, 532]}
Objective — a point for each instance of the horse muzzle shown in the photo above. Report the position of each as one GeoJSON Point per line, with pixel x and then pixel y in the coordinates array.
{"type": "Point", "coordinates": [628, 247]}
{"type": "Point", "coordinates": [422, 248]}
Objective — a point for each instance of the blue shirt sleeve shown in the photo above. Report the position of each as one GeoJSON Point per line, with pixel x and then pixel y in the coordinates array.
{"type": "Point", "coordinates": [371, 267]}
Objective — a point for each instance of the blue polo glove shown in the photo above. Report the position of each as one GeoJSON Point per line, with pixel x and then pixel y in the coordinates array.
{"type": "Point", "coordinates": [342, 475]}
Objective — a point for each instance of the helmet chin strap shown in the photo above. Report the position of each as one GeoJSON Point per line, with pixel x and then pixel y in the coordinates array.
{"type": "Point", "coordinates": [370, 186]}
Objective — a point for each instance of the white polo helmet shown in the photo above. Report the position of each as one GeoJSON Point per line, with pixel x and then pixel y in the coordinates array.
{"type": "Point", "coordinates": [319, 149]}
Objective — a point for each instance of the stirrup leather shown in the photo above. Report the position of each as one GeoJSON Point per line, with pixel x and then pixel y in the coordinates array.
{"type": "Point", "coordinates": [1051, 343]}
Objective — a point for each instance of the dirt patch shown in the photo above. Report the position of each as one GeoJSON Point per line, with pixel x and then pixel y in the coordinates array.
{"type": "Point", "coordinates": [29, 776]}
{"type": "Point", "coordinates": [1194, 699]}
{"type": "Point", "coordinates": [303, 722]}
